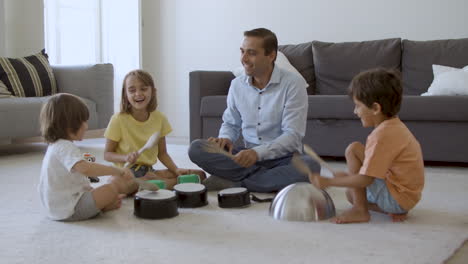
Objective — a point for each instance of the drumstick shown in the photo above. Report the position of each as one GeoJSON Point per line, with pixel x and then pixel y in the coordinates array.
{"type": "Point", "coordinates": [212, 147]}
{"type": "Point", "coordinates": [309, 151]}
{"type": "Point", "coordinates": [300, 165]}
{"type": "Point", "coordinates": [152, 142]}
{"type": "Point", "coordinates": [144, 185]}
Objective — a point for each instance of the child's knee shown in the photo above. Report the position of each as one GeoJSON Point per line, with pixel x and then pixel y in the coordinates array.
{"type": "Point", "coordinates": [355, 148]}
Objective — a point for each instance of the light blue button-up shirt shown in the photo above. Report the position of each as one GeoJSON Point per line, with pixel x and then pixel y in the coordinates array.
{"type": "Point", "coordinates": [272, 119]}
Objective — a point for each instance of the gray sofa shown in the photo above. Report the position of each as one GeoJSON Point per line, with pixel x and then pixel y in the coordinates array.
{"type": "Point", "coordinates": [93, 83]}
{"type": "Point", "coordinates": [440, 123]}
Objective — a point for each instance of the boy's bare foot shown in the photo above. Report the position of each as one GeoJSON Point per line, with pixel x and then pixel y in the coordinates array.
{"type": "Point", "coordinates": [352, 215]}
{"type": "Point", "coordinates": [398, 217]}
{"type": "Point", "coordinates": [394, 217]}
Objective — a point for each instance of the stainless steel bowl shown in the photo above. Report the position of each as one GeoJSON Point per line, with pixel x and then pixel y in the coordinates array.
{"type": "Point", "coordinates": [302, 202]}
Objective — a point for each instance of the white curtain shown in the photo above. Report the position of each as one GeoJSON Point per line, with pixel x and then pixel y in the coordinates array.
{"type": "Point", "coordinates": [2, 29]}
{"type": "Point", "coordinates": [94, 31]}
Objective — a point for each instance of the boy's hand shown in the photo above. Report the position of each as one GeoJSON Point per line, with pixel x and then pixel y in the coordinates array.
{"type": "Point", "coordinates": [132, 157]}
{"type": "Point", "coordinates": [318, 181]}
{"type": "Point", "coordinates": [126, 174]}
{"type": "Point", "coordinates": [339, 174]}
{"type": "Point", "coordinates": [246, 158]}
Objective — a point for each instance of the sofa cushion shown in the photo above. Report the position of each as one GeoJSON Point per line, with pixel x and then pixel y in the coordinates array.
{"type": "Point", "coordinates": [281, 62]}
{"type": "Point", "coordinates": [434, 108]}
{"type": "Point", "coordinates": [29, 76]}
{"type": "Point", "coordinates": [300, 56]}
{"type": "Point", "coordinates": [413, 108]}
{"type": "Point", "coordinates": [337, 63]}
{"type": "Point", "coordinates": [213, 105]}
{"type": "Point", "coordinates": [419, 56]}
{"type": "Point", "coordinates": [330, 107]}
{"type": "Point", "coordinates": [27, 110]}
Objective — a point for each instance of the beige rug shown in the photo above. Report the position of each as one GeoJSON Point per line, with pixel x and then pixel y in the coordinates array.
{"type": "Point", "coordinates": [435, 229]}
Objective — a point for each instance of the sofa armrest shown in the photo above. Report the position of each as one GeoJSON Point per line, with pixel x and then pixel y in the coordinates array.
{"type": "Point", "coordinates": [93, 82]}
{"type": "Point", "coordinates": [205, 83]}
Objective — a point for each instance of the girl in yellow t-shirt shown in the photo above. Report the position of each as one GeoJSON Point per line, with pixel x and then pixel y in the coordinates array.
{"type": "Point", "coordinates": [129, 130]}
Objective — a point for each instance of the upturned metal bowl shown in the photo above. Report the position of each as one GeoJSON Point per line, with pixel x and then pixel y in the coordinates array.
{"type": "Point", "coordinates": [302, 202]}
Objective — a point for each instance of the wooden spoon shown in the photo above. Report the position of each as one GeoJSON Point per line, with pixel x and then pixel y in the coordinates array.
{"type": "Point", "coordinates": [309, 151]}
{"type": "Point", "coordinates": [150, 143]}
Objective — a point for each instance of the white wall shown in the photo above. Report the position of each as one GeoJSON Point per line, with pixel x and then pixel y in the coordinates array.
{"type": "Point", "coordinates": [180, 36]}
{"type": "Point", "coordinates": [24, 27]}
{"type": "Point", "coordinates": [2, 28]}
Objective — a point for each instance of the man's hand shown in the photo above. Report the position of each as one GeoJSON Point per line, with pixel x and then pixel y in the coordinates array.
{"type": "Point", "coordinates": [223, 143]}
{"type": "Point", "coordinates": [246, 158]}
{"type": "Point", "coordinates": [318, 181]}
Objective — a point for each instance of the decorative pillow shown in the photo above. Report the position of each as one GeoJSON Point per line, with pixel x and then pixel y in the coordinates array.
{"type": "Point", "coordinates": [448, 81]}
{"type": "Point", "coordinates": [281, 61]}
{"type": "Point", "coordinates": [301, 57]}
{"type": "Point", "coordinates": [28, 76]}
{"type": "Point", "coordinates": [4, 91]}
{"type": "Point", "coordinates": [418, 57]}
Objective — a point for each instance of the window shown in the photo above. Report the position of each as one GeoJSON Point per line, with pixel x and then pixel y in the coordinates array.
{"type": "Point", "coordinates": [73, 31]}
{"type": "Point", "coordinates": [94, 31]}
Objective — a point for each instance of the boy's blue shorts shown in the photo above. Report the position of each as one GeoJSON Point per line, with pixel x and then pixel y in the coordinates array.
{"type": "Point", "coordinates": [378, 193]}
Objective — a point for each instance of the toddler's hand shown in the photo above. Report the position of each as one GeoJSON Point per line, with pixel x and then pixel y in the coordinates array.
{"type": "Point", "coordinates": [126, 174]}
{"type": "Point", "coordinates": [132, 157]}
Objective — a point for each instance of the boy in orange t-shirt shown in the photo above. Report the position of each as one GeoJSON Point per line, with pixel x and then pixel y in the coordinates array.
{"type": "Point", "coordinates": [387, 174]}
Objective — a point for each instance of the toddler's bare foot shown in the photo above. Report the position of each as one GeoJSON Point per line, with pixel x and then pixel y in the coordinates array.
{"type": "Point", "coordinates": [116, 205]}
{"type": "Point", "coordinates": [352, 215]}
{"type": "Point", "coordinates": [398, 217]}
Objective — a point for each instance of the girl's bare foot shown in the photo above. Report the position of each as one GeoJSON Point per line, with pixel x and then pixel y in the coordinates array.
{"type": "Point", "coordinates": [353, 215]}
{"type": "Point", "coordinates": [398, 217]}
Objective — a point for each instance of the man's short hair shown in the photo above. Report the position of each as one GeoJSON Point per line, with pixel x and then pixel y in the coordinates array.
{"type": "Point", "coordinates": [270, 42]}
{"type": "Point", "coordinates": [382, 86]}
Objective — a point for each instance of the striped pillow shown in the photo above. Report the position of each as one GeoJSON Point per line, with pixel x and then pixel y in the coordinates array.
{"type": "Point", "coordinates": [29, 76]}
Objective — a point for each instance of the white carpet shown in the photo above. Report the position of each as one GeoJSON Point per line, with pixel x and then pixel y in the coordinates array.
{"type": "Point", "coordinates": [435, 228]}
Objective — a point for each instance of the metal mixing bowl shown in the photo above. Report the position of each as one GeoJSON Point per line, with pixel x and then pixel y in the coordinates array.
{"type": "Point", "coordinates": [302, 202]}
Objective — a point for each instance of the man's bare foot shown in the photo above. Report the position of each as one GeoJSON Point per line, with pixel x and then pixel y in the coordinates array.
{"type": "Point", "coordinates": [398, 217]}
{"type": "Point", "coordinates": [353, 215]}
